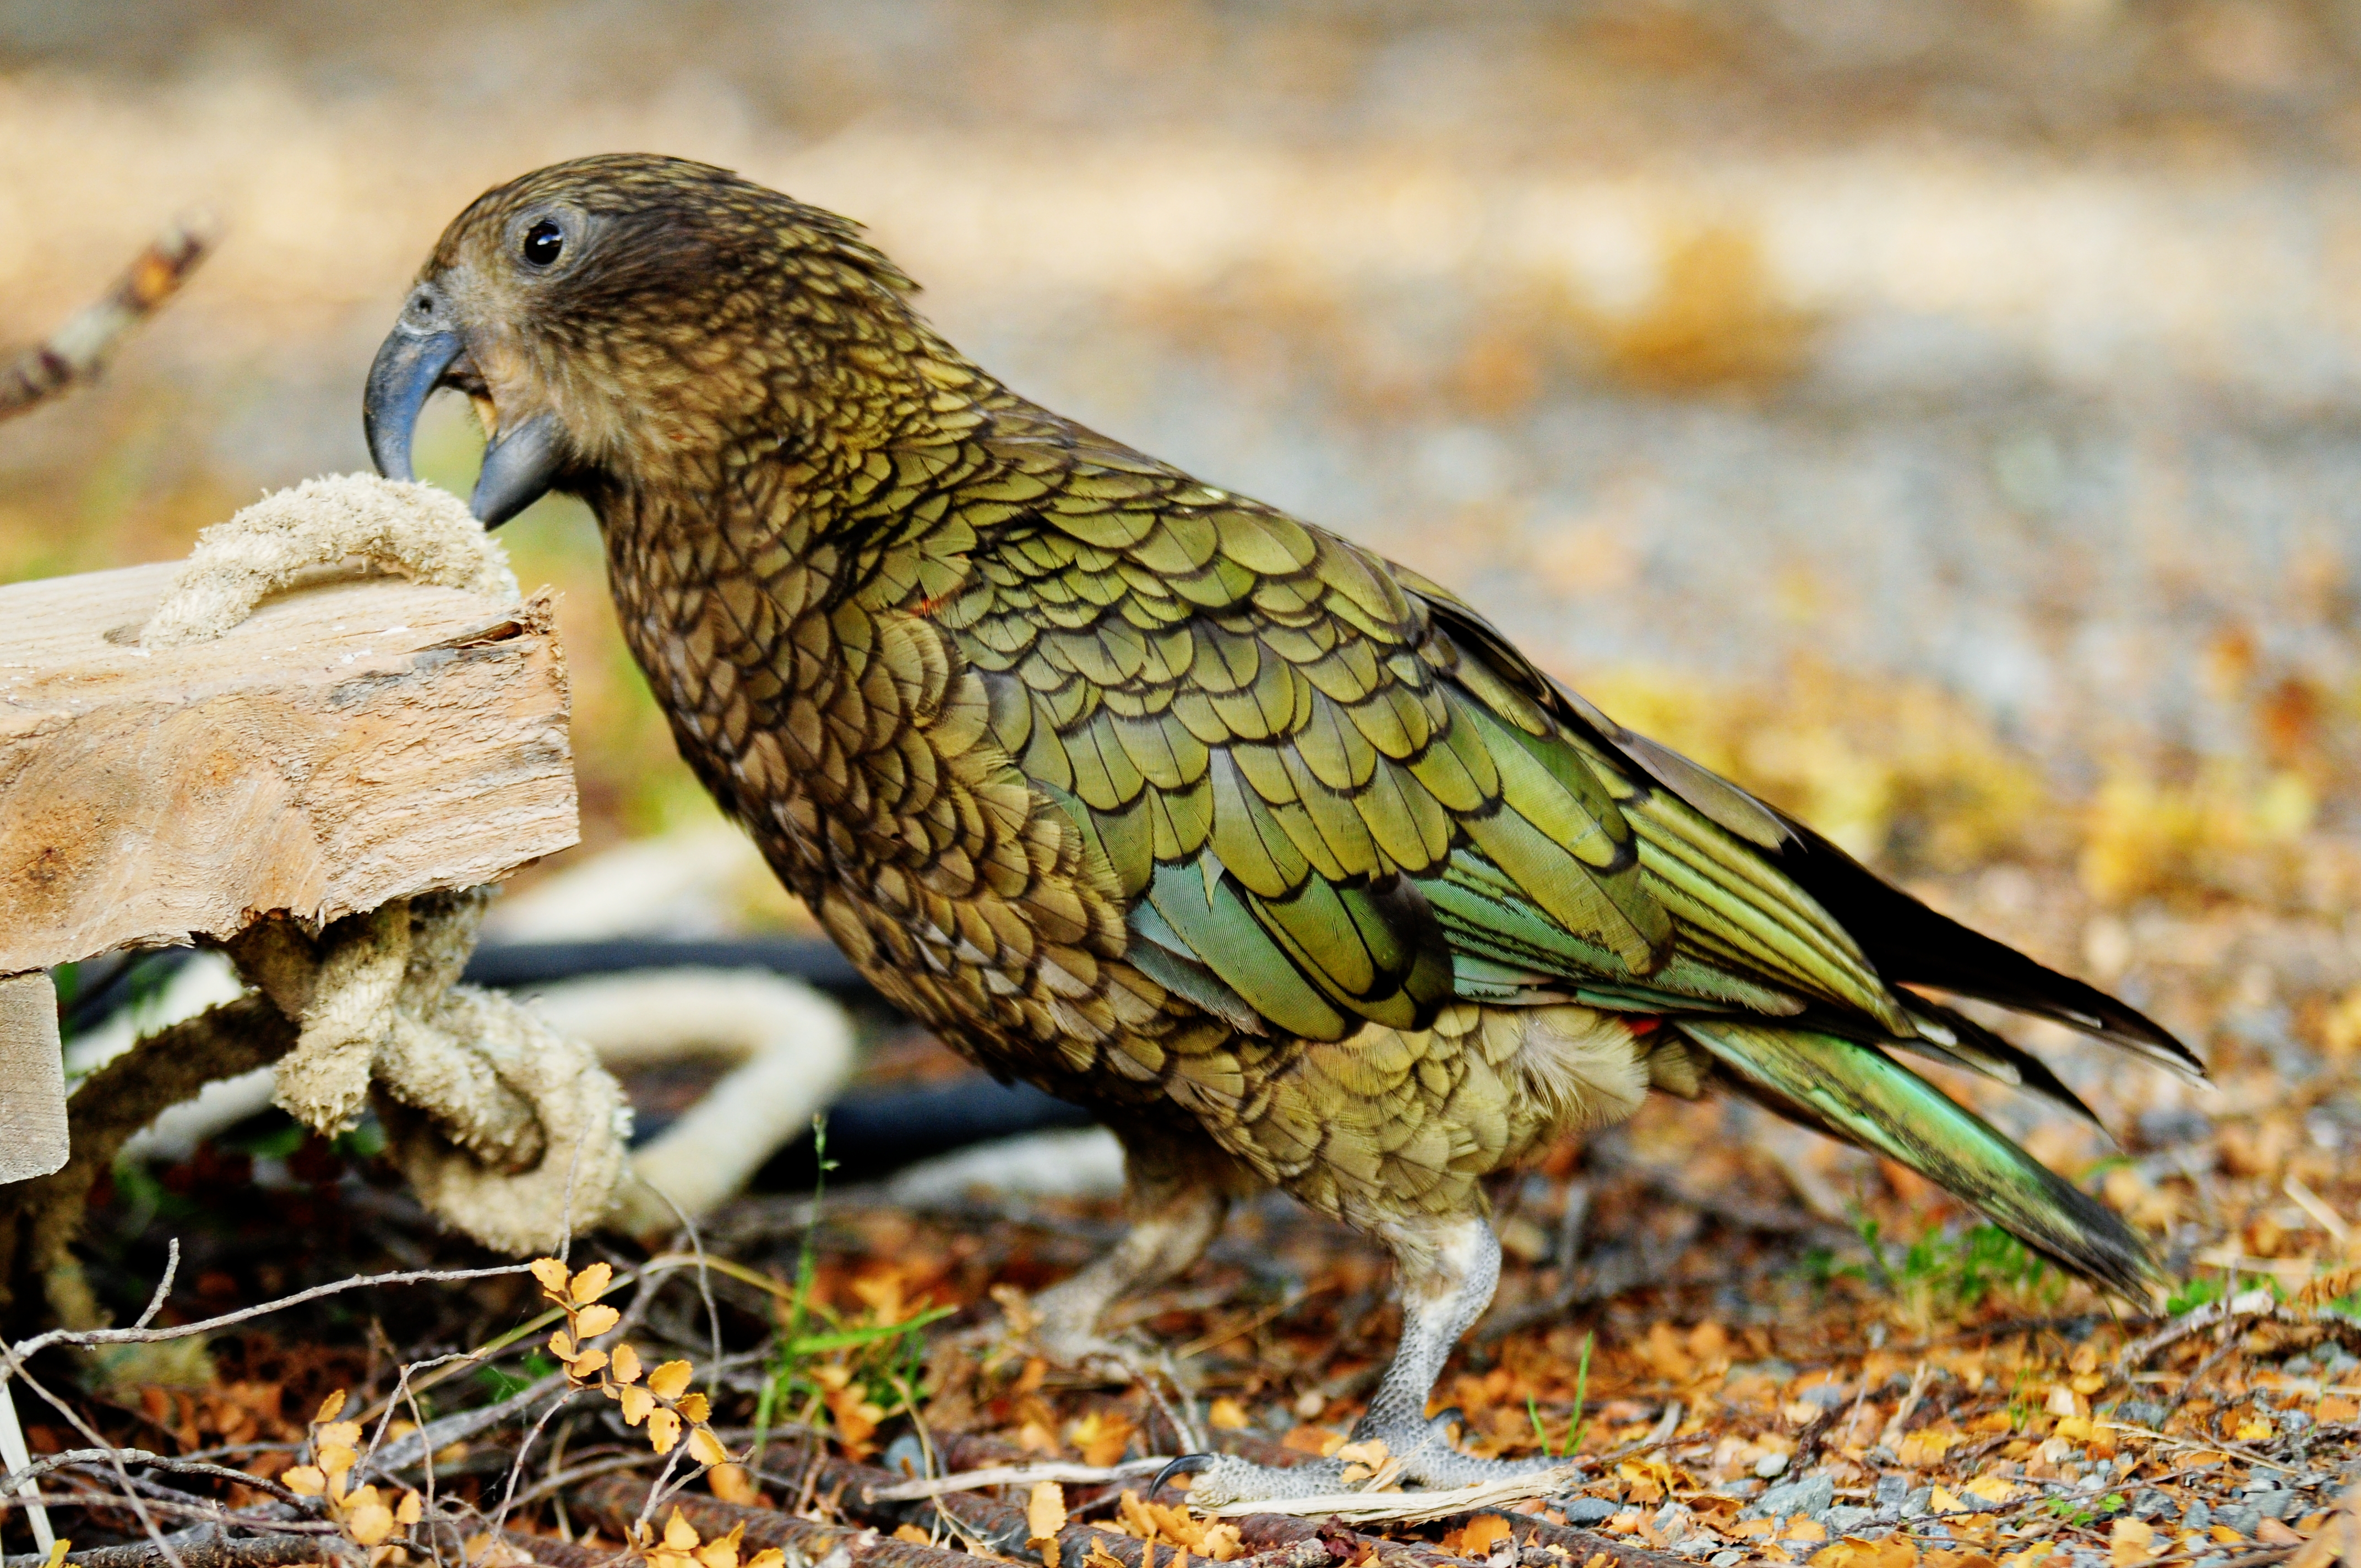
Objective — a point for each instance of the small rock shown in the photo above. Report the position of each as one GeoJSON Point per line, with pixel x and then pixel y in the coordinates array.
{"type": "Point", "coordinates": [2148, 1503]}
{"type": "Point", "coordinates": [1587, 1510]}
{"type": "Point", "coordinates": [2141, 1412]}
{"type": "Point", "coordinates": [1771, 1464]}
{"type": "Point", "coordinates": [1844, 1519]}
{"type": "Point", "coordinates": [2244, 1518]}
{"type": "Point", "coordinates": [1726, 1558]}
{"type": "Point", "coordinates": [2197, 1516]}
{"type": "Point", "coordinates": [1827, 1395]}
{"type": "Point", "coordinates": [1778, 1371]}
{"type": "Point", "coordinates": [2163, 1127]}
{"type": "Point", "coordinates": [1921, 1500]}
{"type": "Point", "coordinates": [1891, 1489]}
{"type": "Point", "coordinates": [1813, 1496]}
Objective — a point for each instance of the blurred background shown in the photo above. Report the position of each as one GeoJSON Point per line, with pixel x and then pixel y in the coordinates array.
{"type": "Point", "coordinates": [1939, 415]}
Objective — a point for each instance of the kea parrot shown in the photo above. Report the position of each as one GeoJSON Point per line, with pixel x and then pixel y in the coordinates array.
{"type": "Point", "coordinates": [1275, 853]}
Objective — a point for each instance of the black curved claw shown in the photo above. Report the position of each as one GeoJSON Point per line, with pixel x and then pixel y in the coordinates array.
{"type": "Point", "coordinates": [1171, 1468]}
{"type": "Point", "coordinates": [1186, 1462]}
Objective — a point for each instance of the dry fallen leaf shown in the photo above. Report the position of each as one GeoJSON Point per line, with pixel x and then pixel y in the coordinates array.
{"type": "Point", "coordinates": [1045, 1511]}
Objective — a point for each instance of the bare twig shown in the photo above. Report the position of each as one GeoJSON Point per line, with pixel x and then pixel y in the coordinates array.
{"type": "Point", "coordinates": [39, 1342]}
{"type": "Point", "coordinates": [1011, 1475]}
{"type": "Point", "coordinates": [1409, 1507]}
{"type": "Point", "coordinates": [410, 1449]}
{"type": "Point", "coordinates": [12, 1365]}
{"type": "Point", "coordinates": [74, 1458]}
{"type": "Point", "coordinates": [163, 1286]}
{"type": "Point", "coordinates": [203, 1547]}
{"type": "Point", "coordinates": [79, 349]}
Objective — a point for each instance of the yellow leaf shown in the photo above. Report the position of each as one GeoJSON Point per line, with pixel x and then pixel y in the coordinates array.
{"type": "Point", "coordinates": [587, 1364]}
{"type": "Point", "coordinates": [769, 1557]}
{"type": "Point", "coordinates": [705, 1448]}
{"type": "Point", "coordinates": [1924, 1447]}
{"type": "Point", "coordinates": [670, 1381]}
{"type": "Point", "coordinates": [2130, 1541]}
{"type": "Point", "coordinates": [561, 1346]}
{"type": "Point", "coordinates": [679, 1534]}
{"type": "Point", "coordinates": [732, 1485]}
{"type": "Point", "coordinates": [1893, 1552]}
{"type": "Point", "coordinates": [625, 1367]}
{"type": "Point", "coordinates": [411, 1508]}
{"type": "Point", "coordinates": [693, 1408]}
{"type": "Point", "coordinates": [552, 1277]}
{"type": "Point", "coordinates": [1994, 1489]}
{"type": "Point", "coordinates": [663, 1430]}
{"type": "Point", "coordinates": [305, 1481]}
{"type": "Point", "coordinates": [1942, 1501]}
{"type": "Point", "coordinates": [592, 1282]}
{"type": "Point", "coordinates": [912, 1534]}
{"type": "Point", "coordinates": [592, 1321]}
{"type": "Point", "coordinates": [336, 1459]}
{"type": "Point", "coordinates": [722, 1554]}
{"type": "Point", "coordinates": [1480, 1535]}
{"type": "Point", "coordinates": [2253, 1430]}
{"type": "Point", "coordinates": [1045, 1510]}
{"type": "Point", "coordinates": [369, 1523]}
{"type": "Point", "coordinates": [637, 1403]}
{"type": "Point", "coordinates": [330, 1408]}
{"type": "Point", "coordinates": [1227, 1415]}
{"type": "Point", "coordinates": [58, 1550]}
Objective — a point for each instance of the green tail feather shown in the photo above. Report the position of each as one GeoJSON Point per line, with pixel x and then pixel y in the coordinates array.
{"type": "Point", "coordinates": [1865, 1097]}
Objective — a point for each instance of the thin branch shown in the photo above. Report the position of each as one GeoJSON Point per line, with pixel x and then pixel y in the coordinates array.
{"type": "Point", "coordinates": [1011, 1475]}
{"type": "Point", "coordinates": [79, 349]}
{"type": "Point", "coordinates": [201, 1548]}
{"type": "Point", "coordinates": [39, 1342]}
{"type": "Point", "coordinates": [12, 1365]}
{"type": "Point", "coordinates": [75, 1457]}
{"type": "Point", "coordinates": [163, 1286]}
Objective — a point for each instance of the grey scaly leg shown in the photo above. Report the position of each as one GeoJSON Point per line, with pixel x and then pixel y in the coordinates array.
{"type": "Point", "coordinates": [1449, 1268]}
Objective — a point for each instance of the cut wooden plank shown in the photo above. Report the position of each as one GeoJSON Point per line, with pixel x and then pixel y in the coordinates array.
{"type": "Point", "coordinates": [32, 1079]}
{"type": "Point", "coordinates": [351, 743]}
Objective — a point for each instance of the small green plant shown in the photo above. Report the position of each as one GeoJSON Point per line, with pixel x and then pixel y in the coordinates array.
{"type": "Point", "coordinates": [500, 1384]}
{"type": "Point", "coordinates": [1944, 1272]}
{"type": "Point", "coordinates": [1581, 1394]}
{"type": "Point", "coordinates": [824, 1369]}
{"type": "Point", "coordinates": [1573, 1423]}
{"type": "Point", "coordinates": [2203, 1291]}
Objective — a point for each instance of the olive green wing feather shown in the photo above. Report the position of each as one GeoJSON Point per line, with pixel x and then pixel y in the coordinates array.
{"type": "Point", "coordinates": [1324, 806]}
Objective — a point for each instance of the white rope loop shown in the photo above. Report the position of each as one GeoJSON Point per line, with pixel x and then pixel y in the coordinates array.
{"type": "Point", "coordinates": [507, 1130]}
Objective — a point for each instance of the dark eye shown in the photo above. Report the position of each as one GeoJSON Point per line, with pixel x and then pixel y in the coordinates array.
{"type": "Point", "coordinates": [543, 242]}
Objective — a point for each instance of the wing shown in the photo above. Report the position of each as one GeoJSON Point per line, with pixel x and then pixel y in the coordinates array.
{"type": "Point", "coordinates": [1329, 793]}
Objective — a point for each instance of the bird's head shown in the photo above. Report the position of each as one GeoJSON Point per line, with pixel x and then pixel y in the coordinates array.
{"type": "Point", "coordinates": [629, 319]}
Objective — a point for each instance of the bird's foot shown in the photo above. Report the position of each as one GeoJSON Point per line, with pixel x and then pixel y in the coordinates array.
{"type": "Point", "coordinates": [1225, 1478]}
{"type": "Point", "coordinates": [1421, 1458]}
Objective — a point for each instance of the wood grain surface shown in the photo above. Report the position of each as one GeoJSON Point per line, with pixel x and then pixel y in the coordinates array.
{"type": "Point", "coordinates": [354, 742]}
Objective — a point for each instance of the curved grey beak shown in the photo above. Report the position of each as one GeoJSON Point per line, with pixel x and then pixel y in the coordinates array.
{"type": "Point", "coordinates": [408, 367]}
{"type": "Point", "coordinates": [519, 467]}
